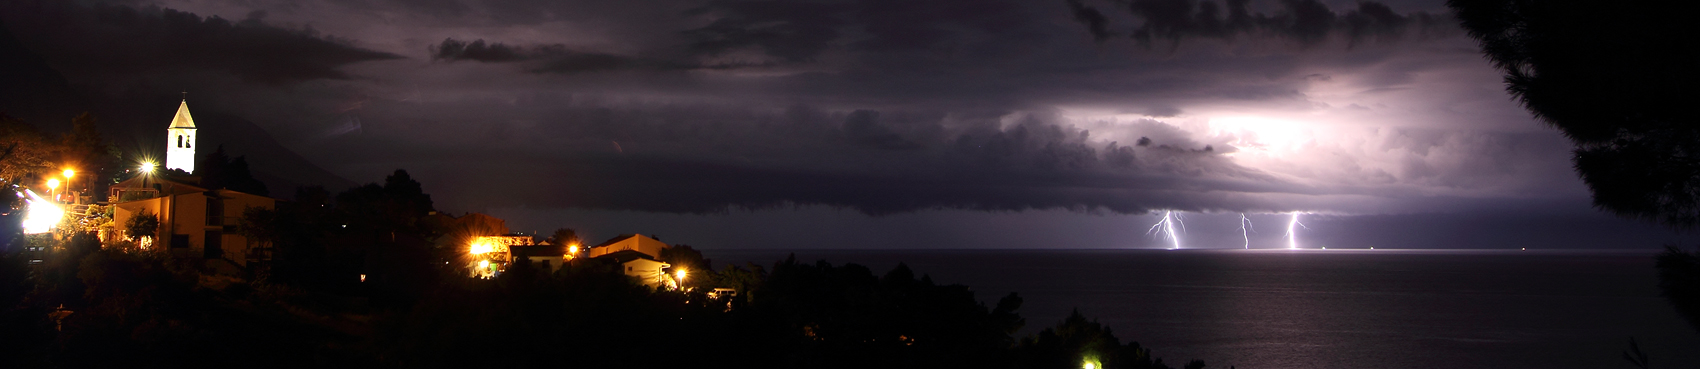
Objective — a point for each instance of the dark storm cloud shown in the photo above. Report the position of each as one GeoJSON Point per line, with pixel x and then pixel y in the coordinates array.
{"type": "Point", "coordinates": [121, 40]}
{"type": "Point", "coordinates": [881, 106]}
{"type": "Point", "coordinates": [1306, 21]}
{"type": "Point", "coordinates": [453, 50]}
{"type": "Point", "coordinates": [1094, 20]}
{"type": "Point", "coordinates": [878, 33]}
{"type": "Point", "coordinates": [688, 158]}
{"type": "Point", "coordinates": [554, 58]}
{"type": "Point", "coordinates": [794, 31]}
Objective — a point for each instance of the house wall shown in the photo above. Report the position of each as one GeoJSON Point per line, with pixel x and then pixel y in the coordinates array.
{"type": "Point", "coordinates": [122, 213]}
{"type": "Point", "coordinates": [639, 243]}
{"type": "Point", "coordinates": [185, 214]}
{"type": "Point", "coordinates": [554, 261]}
{"type": "Point", "coordinates": [236, 246]}
{"type": "Point", "coordinates": [647, 271]}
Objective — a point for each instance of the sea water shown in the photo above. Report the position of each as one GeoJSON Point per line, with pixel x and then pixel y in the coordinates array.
{"type": "Point", "coordinates": [1326, 308]}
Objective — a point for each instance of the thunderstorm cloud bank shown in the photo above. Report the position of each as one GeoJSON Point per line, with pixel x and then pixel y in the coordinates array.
{"type": "Point", "coordinates": [879, 106]}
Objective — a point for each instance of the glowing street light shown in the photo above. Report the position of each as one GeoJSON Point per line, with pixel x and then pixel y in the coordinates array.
{"type": "Point", "coordinates": [679, 276]}
{"type": "Point", "coordinates": [69, 173]}
{"type": "Point", "coordinates": [52, 187]}
{"type": "Point", "coordinates": [147, 167]}
{"type": "Point", "coordinates": [42, 215]}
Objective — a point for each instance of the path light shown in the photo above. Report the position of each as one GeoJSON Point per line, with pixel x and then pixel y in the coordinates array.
{"type": "Point", "coordinates": [680, 275]}
{"type": "Point", "coordinates": [69, 173]}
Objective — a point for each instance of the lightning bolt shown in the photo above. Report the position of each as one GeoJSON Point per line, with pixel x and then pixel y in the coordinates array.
{"type": "Point", "coordinates": [1166, 227]}
{"type": "Point", "coordinates": [1246, 229]}
{"type": "Point", "coordinates": [1292, 231]}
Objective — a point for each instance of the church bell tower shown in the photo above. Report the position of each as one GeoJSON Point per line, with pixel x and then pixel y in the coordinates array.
{"type": "Point", "coordinates": [180, 152]}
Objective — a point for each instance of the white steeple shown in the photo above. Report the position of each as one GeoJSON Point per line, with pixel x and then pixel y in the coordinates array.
{"type": "Point", "coordinates": [180, 140]}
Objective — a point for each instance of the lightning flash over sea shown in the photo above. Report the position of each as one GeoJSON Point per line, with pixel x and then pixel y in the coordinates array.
{"type": "Point", "coordinates": [1292, 234]}
{"type": "Point", "coordinates": [1166, 227]}
{"type": "Point", "coordinates": [1246, 229]}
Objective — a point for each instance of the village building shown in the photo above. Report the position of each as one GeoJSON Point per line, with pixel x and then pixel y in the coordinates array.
{"type": "Point", "coordinates": [180, 138]}
{"type": "Point", "coordinates": [194, 222]}
{"type": "Point", "coordinates": [633, 242]}
{"type": "Point", "coordinates": [542, 257]}
{"type": "Point", "coordinates": [491, 255]}
{"type": "Point", "coordinates": [638, 256]}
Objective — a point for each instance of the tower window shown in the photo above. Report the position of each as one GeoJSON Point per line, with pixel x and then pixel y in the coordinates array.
{"type": "Point", "coordinates": [179, 141]}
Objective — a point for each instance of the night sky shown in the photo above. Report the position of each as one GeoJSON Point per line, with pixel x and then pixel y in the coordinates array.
{"type": "Point", "coordinates": [849, 124]}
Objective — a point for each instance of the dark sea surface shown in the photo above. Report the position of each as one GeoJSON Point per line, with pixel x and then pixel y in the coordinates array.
{"type": "Point", "coordinates": [1326, 308]}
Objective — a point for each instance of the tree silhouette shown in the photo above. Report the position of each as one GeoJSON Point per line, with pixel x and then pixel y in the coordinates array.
{"type": "Point", "coordinates": [144, 224]}
{"type": "Point", "coordinates": [218, 170]}
{"type": "Point", "coordinates": [1617, 79]}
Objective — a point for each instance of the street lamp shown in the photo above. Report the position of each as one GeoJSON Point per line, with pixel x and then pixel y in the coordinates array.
{"type": "Point", "coordinates": [147, 170]}
{"type": "Point", "coordinates": [52, 188]}
{"type": "Point", "coordinates": [69, 187]}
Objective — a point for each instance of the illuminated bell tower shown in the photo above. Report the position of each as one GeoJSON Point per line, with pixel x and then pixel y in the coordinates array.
{"type": "Point", "coordinates": [180, 152]}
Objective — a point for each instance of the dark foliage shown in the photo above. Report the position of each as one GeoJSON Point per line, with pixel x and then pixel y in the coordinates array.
{"type": "Point", "coordinates": [125, 307]}
{"type": "Point", "coordinates": [847, 317]}
{"type": "Point", "coordinates": [143, 224]}
{"type": "Point", "coordinates": [1077, 340]}
{"type": "Point", "coordinates": [1679, 282]}
{"type": "Point", "coordinates": [218, 171]}
{"type": "Point", "coordinates": [140, 309]}
{"type": "Point", "coordinates": [564, 237]}
{"type": "Point", "coordinates": [1616, 78]}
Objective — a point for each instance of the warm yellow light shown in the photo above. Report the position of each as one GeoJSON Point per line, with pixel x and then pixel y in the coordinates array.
{"type": "Point", "coordinates": [70, 173]}
{"type": "Point", "coordinates": [483, 264]}
{"type": "Point", "coordinates": [481, 248]}
{"type": "Point", "coordinates": [42, 214]}
{"type": "Point", "coordinates": [680, 275]}
{"type": "Point", "coordinates": [52, 183]}
{"type": "Point", "coordinates": [1089, 365]}
{"type": "Point", "coordinates": [147, 167]}
{"type": "Point", "coordinates": [572, 250]}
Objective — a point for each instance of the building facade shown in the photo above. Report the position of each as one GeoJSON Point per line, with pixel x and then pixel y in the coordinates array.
{"type": "Point", "coordinates": [180, 140]}
{"type": "Point", "coordinates": [634, 242]}
{"type": "Point", "coordinates": [194, 222]}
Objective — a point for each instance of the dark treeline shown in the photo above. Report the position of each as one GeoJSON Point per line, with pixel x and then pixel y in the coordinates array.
{"type": "Point", "coordinates": [364, 278]}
